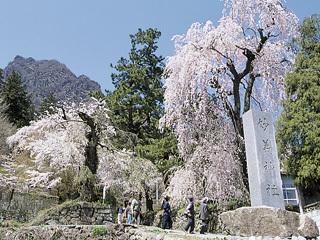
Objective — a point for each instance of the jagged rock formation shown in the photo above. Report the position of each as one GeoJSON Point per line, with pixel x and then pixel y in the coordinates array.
{"type": "Point", "coordinates": [45, 76]}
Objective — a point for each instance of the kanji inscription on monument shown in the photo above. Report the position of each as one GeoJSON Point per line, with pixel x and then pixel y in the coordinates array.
{"type": "Point", "coordinates": [263, 165]}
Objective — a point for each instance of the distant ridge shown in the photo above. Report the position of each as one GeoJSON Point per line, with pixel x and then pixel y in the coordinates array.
{"type": "Point", "coordinates": [45, 76]}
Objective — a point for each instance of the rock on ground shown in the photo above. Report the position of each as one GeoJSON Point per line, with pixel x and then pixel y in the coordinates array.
{"type": "Point", "coordinates": [267, 221]}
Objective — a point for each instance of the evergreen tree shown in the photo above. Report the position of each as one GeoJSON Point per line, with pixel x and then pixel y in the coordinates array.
{"type": "Point", "coordinates": [20, 109]}
{"type": "Point", "coordinates": [6, 128]}
{"type": "Point", "coordinates": [1, 77]}
{"type": "Point", "coordinates": [163, 152]}
{"type": "Point", "coordinates": [48, 105]}
{"type": "Point", "coordinates": [298, 130]}
{"type": "Point", "coordinates": [136, 102]}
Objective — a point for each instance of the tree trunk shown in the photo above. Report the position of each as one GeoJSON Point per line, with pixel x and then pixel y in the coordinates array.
{"type": "Point", "coordinates": [91, 156]}
{"type": "Point", "coordinates": [87, 181]}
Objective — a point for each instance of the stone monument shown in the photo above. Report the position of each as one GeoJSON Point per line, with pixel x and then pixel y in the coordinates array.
{"type": "Point", "coordinates": [267, 215]}
{"type": "Point", "coordinates": [265, 182]}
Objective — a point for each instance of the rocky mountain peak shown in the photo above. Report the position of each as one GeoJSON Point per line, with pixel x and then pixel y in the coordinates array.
{"type": "Point", "coordinates": [45, 76]}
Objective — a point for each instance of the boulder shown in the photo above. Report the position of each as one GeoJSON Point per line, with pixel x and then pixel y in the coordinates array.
{"type": "Point", "coordinates": [267, 221]}
{"type": "Point", "coordinates": [308, 227]}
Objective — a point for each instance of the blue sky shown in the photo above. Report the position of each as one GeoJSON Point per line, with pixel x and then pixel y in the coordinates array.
{"type": "Point", "coordinates": [87, 36]}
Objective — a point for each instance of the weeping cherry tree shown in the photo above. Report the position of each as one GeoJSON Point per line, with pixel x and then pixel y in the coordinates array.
{"type": "Point", "coordinates": [78, 138]}
{"type": "Point", "coordinates": [221, 72]}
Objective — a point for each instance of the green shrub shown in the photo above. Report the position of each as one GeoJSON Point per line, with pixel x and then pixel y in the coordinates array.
{"type": "Point", "coordinates": [99, 231]}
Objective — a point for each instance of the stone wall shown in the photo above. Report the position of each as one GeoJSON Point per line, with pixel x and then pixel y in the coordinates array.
{"type": "Point", "coordinates": [23, 207]}
{"type": "Point", "coordinates": [75, 213]}
{"type": "Point", "coordinates": [61, 232]}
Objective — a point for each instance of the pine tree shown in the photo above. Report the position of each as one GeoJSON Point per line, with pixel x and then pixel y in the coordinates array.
{"type": "Point", "coordinates": [20, 109]}
{"type": "Point", "coordinates": [136, 102]}
{"type": "Point", "coordinates": [298, 130]}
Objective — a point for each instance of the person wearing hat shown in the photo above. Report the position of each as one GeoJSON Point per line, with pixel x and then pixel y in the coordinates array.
{"type": "Point", "coordinates": [190, 212]}
{"type": "Point", "coordinates": [204, 215]}
{"type": "Point", "coordinates": [167, 214]}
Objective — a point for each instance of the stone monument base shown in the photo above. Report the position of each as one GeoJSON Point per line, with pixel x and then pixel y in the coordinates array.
{"type": "Point", "coordinates": [267, 221]}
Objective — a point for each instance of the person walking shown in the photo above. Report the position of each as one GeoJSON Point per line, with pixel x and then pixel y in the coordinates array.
{"type": "Point", "coordinates": [167, 214]}
{"type": "Point", "coordinates": [190, 212]}
{"type": "Point", "coordinates": [204, 215]}
{"type": "Point", "coordinates": [136, 207]}
{"type": "Point", "coordinates": [128, 213]}
{"type": "Point", "coordinates": [120, 212]}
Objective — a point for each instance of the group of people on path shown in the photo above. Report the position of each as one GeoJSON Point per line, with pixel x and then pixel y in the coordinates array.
{"type": "Point", "coordinates": [190, 213]}
{"type": "Point", "coordinates": [132, 212]}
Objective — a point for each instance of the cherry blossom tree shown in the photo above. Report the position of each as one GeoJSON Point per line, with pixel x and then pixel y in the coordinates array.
{"type": "Point", "coordinates": [62, 141]}
{"type": "Point", "coordinates": [226, 70]}
{"type": "Point", "coordinates": [129, 174]}
{"type": "Point", "coordinates": [7, 167]}
{"type": "Point", "coordinates": [54, 143]}
{"type": "Point", "coordinates": [210, 169]}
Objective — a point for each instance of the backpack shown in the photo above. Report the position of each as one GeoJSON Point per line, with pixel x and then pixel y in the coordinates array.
{"type": "Point", "coordinates": [136, 205]}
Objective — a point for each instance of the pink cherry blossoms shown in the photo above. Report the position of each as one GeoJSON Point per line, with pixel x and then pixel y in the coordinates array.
{"type": "Point", "coordinates": [57, 142]}
{"type": "Point", "coordinates": [221, 72]}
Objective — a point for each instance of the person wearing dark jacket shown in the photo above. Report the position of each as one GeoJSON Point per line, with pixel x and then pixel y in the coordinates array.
{"type": "Point", "coordinates": [167, 214]}
{"type": "Point", "coordinates": [190, 215]}
{"type": "Point", "coordinates": [204, 215]}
